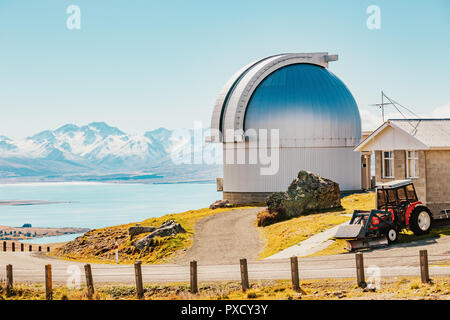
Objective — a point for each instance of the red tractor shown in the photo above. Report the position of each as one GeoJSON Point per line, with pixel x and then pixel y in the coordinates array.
{"type": "Point", "coordinates": [398, 208]}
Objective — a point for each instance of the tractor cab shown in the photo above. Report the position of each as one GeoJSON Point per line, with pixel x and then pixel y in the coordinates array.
{"type": "Point", "coordinates": [396, 196]}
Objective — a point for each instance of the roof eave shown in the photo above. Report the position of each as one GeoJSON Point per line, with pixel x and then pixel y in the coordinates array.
{"type": "Point", "coordinates": [362, 144]}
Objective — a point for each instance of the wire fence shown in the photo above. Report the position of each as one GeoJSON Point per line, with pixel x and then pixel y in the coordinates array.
{"type": "Point", "coordinates": [411, 265]}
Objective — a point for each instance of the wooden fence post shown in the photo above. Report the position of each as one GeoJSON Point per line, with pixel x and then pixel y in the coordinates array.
{"type": "Point", "coordinates": [9, 277]}
{"type": "Point", "coordinates": [30, 248]}
{"type": "Point", "coordinates": [194, 287]}
{"type": "Point", "coordinates": [4, 246]}
{"type": "Point", "coordinates": [13, 246]}
{"type": "Point", "coordinates": [138, 275]}
{"type": "Point", "coordinates": [48, 282]}
{"type": "Point", "coordinates": [360, 270]}
{"type": "Point", "coordinates": [244, 275]}
{"type": "Point", "coordinates": [294, 274]}
{"type": "Point", "coordinates": [22, 247]}
{"type": "Point", "coordinates": [89, 280]}
{"type": "Point", "coordinates": [424, 271]}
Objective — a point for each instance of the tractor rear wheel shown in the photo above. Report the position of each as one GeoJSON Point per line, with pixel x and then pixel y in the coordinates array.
{"type": "Point", "coordinates": [420, 220]}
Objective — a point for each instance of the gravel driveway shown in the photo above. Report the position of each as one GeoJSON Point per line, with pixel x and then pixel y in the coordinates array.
{"type": "Point", "coordinates": [225, 238]}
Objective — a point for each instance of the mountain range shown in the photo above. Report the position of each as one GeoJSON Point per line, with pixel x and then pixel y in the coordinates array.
{"type": "Point", "coordinates": [98, 151]}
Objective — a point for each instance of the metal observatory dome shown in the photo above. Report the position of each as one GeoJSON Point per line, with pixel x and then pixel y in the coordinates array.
{"type": "Point", "coordinates": [312, 114]}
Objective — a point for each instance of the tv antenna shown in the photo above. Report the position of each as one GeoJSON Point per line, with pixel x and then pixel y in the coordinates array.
{"type": "Point", "coordinates": [381, 105]}
{"type": "Point", "coordinates": [396, 106]}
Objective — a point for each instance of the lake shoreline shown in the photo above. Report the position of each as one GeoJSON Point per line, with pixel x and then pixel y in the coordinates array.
{"type": "Point", "coordinates": [28, 202]}
{"type": "Point", "coordinates": [8, 233]}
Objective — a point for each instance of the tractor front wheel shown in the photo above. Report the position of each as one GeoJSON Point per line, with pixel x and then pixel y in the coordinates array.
{"type": "Point", "coordinates": [420, 220]}
{"type": "Point", "coordinates": [392, 235]}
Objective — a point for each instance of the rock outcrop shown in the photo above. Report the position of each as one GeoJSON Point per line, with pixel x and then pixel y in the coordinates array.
{"type": "Point", "coordinates": [308, 192]}
{"type": "Point", "coordinates": [220, 204]}
{"type": "Point", "coordinates": [168, 228]}
{"type": "Point", "coordinates": [134, 231]}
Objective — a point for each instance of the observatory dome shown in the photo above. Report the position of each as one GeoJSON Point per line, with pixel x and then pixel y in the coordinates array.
{"type": "Point", "coordinates": [308, 104]}
{"type": "Point", "coordinates": [314, 113]}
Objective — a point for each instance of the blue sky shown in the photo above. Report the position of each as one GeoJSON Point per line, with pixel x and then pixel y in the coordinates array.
{"type": "Point", "coordinates": [140, 65]}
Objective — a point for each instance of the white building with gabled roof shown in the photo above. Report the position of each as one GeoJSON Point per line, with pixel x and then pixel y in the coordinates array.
{"type": "Point", "coordinates": [417, 149]}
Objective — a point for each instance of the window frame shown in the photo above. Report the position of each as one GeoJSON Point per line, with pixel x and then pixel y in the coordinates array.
{"type": "Point", "coordinates": [416, 165]}
{"type": "Point", "coordinates": [383, 168]}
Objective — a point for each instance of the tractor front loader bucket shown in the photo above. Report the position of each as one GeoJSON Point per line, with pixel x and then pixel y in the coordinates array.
{"type": "Point", "coordinates": [349, 231]}
{"type": "Point", "coordinates": [356, 232]}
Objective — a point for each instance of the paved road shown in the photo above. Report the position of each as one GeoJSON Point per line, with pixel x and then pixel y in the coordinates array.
{"type": "Point", "coordinates": [399, 260]}
{"type": "Point", "coordinates": [225, 238]}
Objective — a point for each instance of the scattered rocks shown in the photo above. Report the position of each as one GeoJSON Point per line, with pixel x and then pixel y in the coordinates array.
{"type": "Point", "coordinates": [220, 204]}
{"type": "Point", "coordinates": [308, 192]}
{"type": "Point", "coordinates": [168, 228]}
{"type": "Point", "coordinates": [134, 231]}
{"type": "Point", "coordinates": [93, 243]}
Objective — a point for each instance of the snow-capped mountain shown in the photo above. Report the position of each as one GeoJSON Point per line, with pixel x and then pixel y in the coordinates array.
{"type": "Point", "coordinates": [99, 148]}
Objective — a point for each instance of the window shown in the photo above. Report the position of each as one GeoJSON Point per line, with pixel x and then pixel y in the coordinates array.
{"type": "Point", "coordinates": [412, 164]}
{"type": "Point", "coordinates": [391, 196]}
{"type": "Point", "coordinates": [388, 164]}
{"type": "Point", "coordinates": [381, 200]}
{"type": "Point", "coordinates": [402, 194]}
{"type": "Point", "coordinates": [410, 191]}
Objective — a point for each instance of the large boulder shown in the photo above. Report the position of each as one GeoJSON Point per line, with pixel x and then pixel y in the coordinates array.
{"type": "Point", "coordinates": [308, 192]}
{"type": "Point", "coordinates": [168, 228]}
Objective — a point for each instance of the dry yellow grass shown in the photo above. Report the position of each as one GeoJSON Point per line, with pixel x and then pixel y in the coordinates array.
{"type": "Point", "coordinates": [320, 289]}
{"type": "Point", "coordinates": [97, 246]}
{"type": "Point", "coordinates": [282, 235]}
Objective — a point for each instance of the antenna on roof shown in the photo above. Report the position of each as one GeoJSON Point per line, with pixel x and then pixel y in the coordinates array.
{"type": "Point", "coordinates": [395, 104]}
{"type": "Point", "coordinates": [381, 105]}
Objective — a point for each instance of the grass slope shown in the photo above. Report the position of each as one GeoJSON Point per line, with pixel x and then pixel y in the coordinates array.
{"type": "Point", "coordinates": [98, 245]}
{"type": "Point", "coordinates": [284, 234]}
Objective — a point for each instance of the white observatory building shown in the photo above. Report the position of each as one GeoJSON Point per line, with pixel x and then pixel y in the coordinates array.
{"type": "Point", "coordinates": [314, 113]}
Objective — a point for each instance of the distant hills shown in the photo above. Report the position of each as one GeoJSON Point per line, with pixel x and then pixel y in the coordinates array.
{"type": "Point", "coordinates": [99, 152]}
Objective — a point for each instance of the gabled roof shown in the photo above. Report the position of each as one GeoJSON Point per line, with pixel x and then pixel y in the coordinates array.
{"type": "Point", "coordinates": [435, 133]}
{"type": "Point", "coordinates": [417, 133]}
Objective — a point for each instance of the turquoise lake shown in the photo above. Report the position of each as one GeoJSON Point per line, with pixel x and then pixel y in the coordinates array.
{"type": "Point", "coordinates": [96, 205]}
